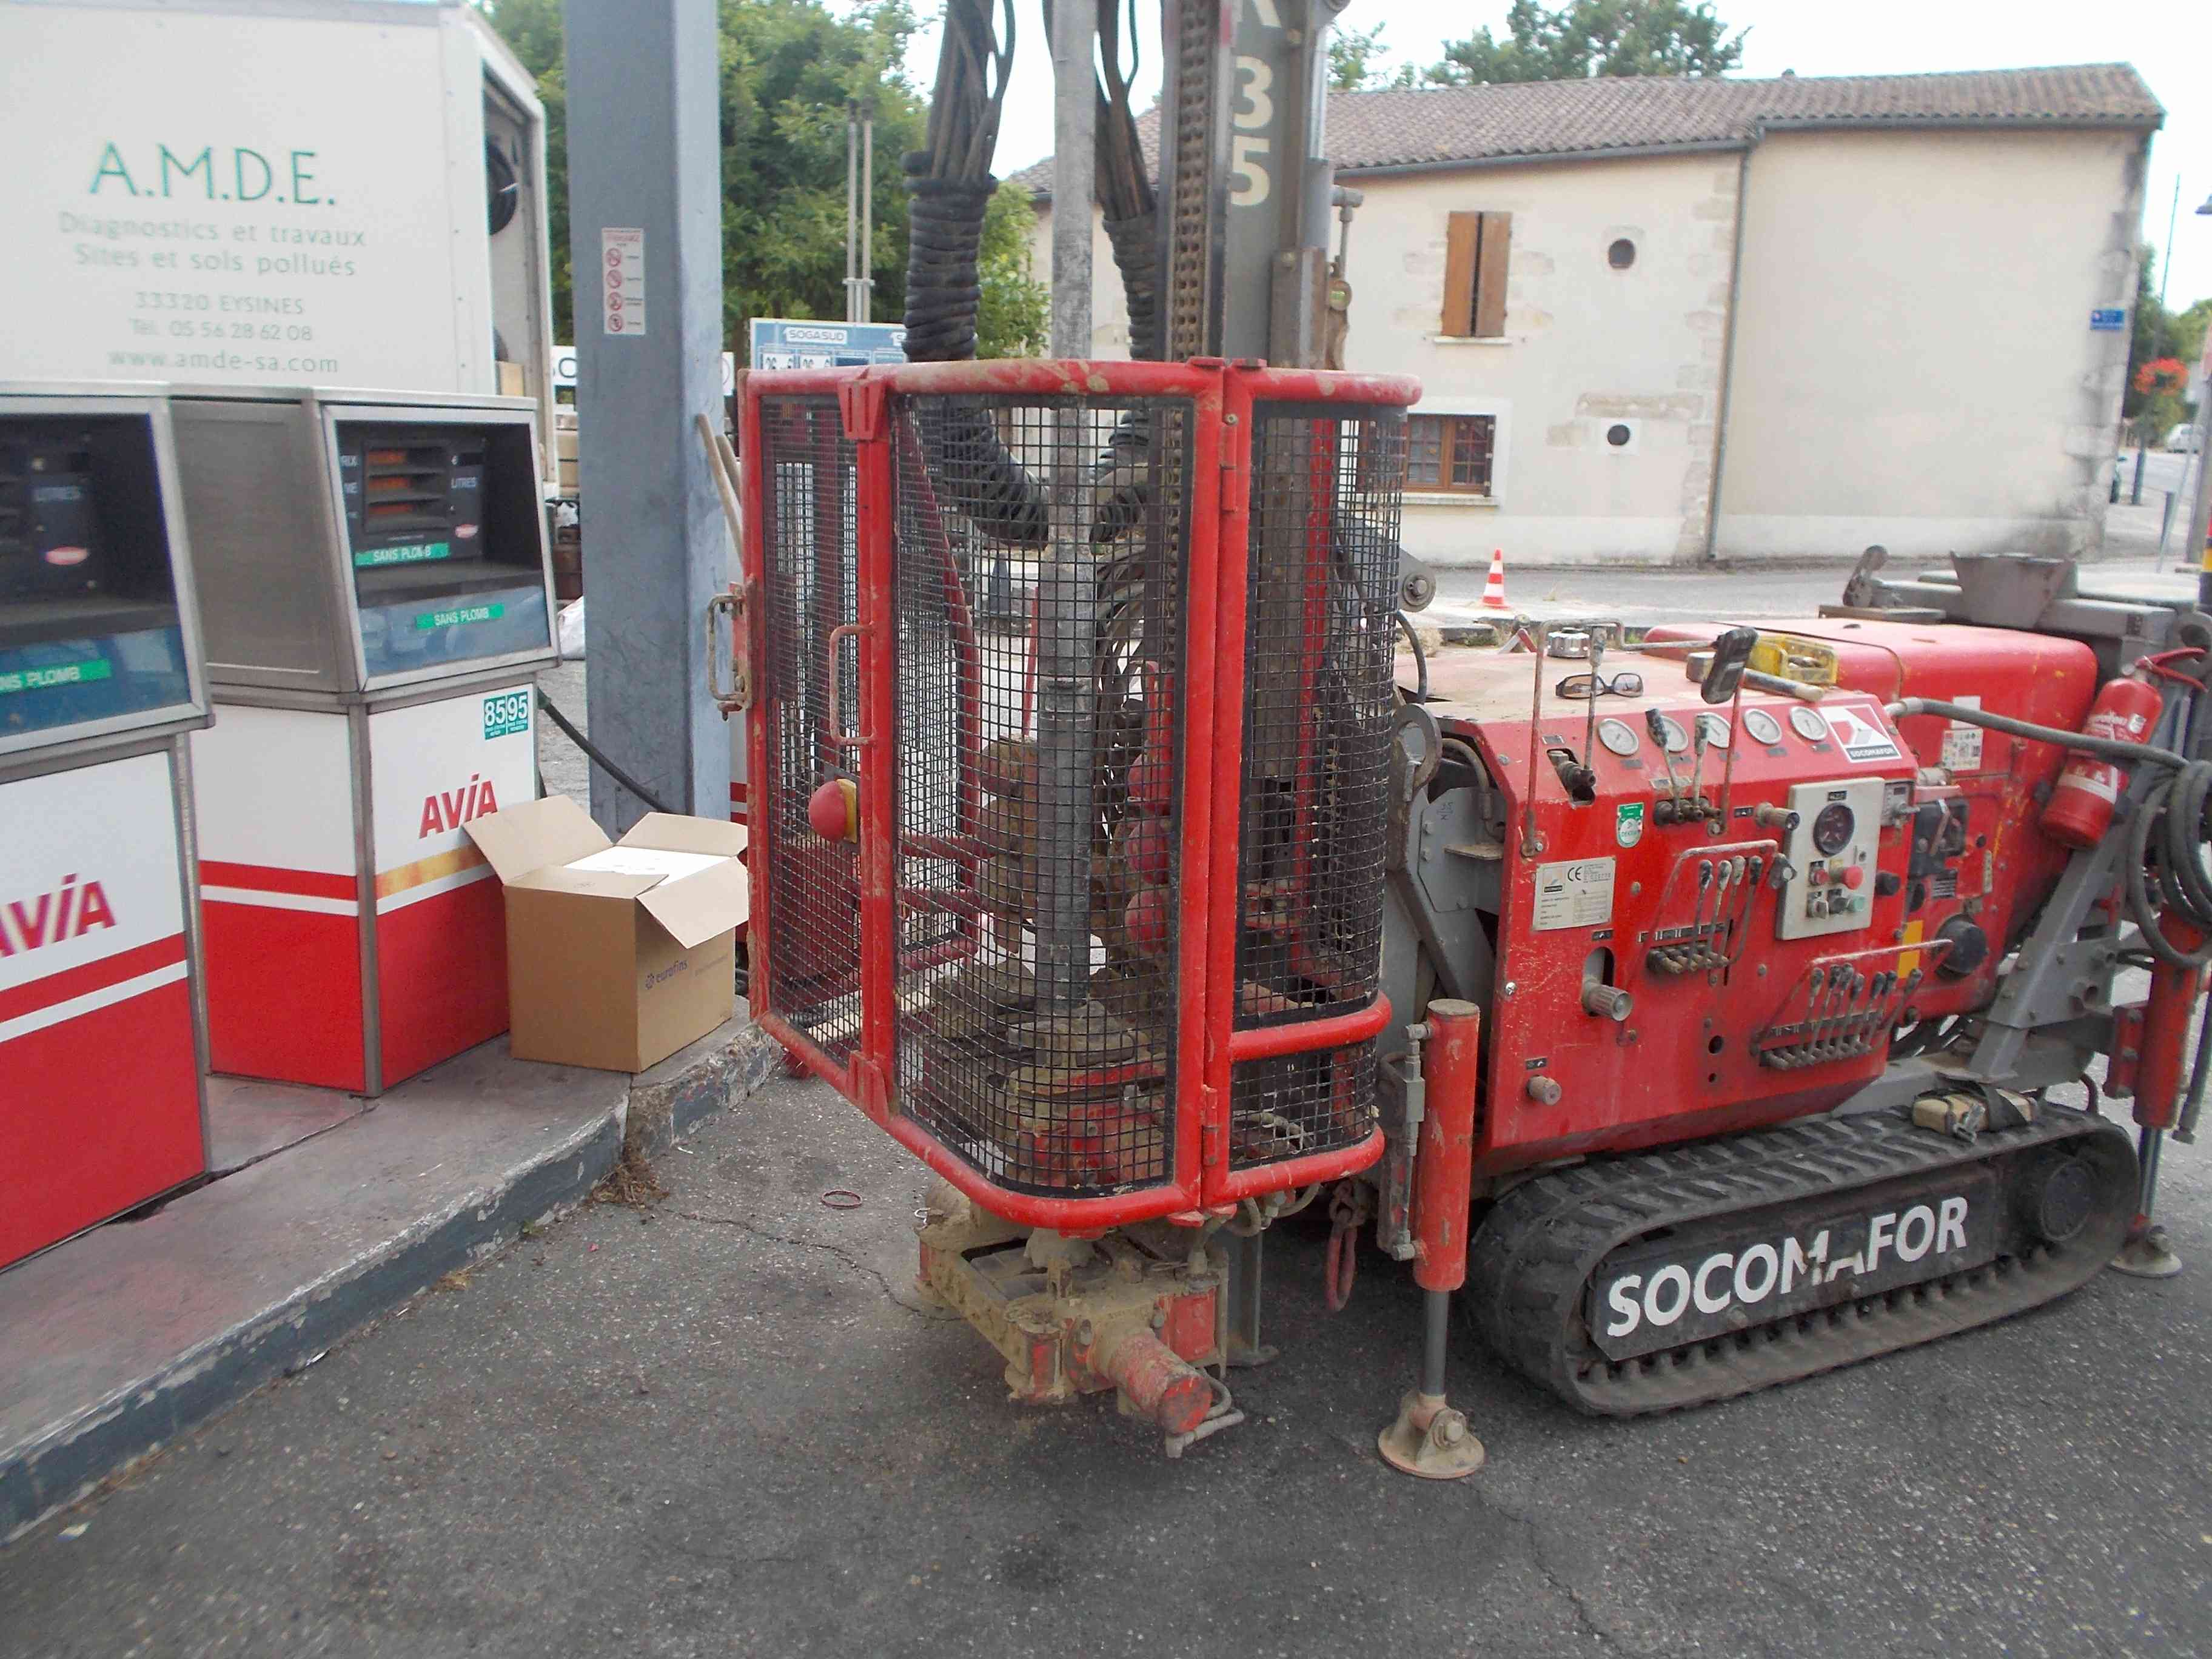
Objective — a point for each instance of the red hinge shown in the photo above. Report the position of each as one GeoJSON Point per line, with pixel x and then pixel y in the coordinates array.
{"type": "Point", "coordinates": [860, 401]}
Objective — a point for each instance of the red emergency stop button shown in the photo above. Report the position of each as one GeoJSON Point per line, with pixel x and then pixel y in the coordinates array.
{"type": "Point", "coordinates": [1855, 876]}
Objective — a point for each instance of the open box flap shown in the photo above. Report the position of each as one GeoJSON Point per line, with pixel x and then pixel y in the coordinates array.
{"type": "Point", "coordinates": [696, 908]}
{"type": "Point", "coordinates": [533, 833]}
{"type": "Point", "coordinates": [674, 832]}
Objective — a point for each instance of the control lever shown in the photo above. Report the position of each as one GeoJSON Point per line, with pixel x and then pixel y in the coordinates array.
{"type": "Point", "coordinates": [1700, 737]}
{"type": "Point", "coordinates": [1589, 715]}
{"type": "Point", "coordinates": [1656, 724]}
{"type": "Point", "coordinates": [1730, 869]}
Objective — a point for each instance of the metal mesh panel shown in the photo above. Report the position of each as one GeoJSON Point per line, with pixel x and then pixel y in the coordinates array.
{"type": "Point", "coordinates": [809, 588]}
{"type": "Point", "coordinates": [1038, 812]}
{"type": "Point", "coordinates": [1322, 1102]}
{"type": "Point", "coordinates": [1321, 601]}
{"type": "Point", "coordinates": [1319, 701]}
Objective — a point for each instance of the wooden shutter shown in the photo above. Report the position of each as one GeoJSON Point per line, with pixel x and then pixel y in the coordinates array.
{"type": "Point", "coordinates": [1496, 243]}
{"type": "Point", "coordinates": [1462, 242]}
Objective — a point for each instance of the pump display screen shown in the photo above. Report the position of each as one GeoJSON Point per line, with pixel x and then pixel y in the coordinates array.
{"type": "Point", "coordinates": [90, 628]}
{"type": "Point", "coordinates": [442, 537]}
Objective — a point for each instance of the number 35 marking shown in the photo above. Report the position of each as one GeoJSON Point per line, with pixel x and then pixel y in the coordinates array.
{"type": "Point", "coordinates": [1247, 155]}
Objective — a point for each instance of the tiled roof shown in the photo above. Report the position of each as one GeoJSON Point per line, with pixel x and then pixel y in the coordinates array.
{"type": "Point", "coordinates": [1440, 126]}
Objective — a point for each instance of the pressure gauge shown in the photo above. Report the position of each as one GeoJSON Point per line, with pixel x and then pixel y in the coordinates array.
{"type": "Point", "coordinates": [1810, 727]}
{"type": "Point", "coordinates": [1831, 829]}
{"type": "Point", "coordinates": [1715, 730]}
{"type": "Point", "coordinates": [1618, 736]}
{"type": "Point", "coordinates": [1678, 740]}
{"type": "Point", "coordinates": [1762, 726]}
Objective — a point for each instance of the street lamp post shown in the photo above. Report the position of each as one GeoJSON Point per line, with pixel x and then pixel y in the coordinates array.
{"type": "Point", "coordinates": [2201, 510]}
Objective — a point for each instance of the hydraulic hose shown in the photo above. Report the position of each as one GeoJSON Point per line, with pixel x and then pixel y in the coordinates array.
{"type": "Point", "coordinates": [2128, 753]}
{"type": "Point", "coordinates": [2167, 849]}
{"type": "Point", "coordinates": [2165, 870]}
{"type": "Point", "coordinates": [1420, 658]}
{"type": "Point", "coordinates": [605, 764]}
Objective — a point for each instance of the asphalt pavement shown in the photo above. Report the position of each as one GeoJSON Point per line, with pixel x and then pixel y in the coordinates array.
{"type": "Point", "coordinates": [725, 1425]}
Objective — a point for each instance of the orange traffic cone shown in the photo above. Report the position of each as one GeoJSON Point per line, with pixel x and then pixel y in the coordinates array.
{"type": "Point", "coordinates": [1494, 591]}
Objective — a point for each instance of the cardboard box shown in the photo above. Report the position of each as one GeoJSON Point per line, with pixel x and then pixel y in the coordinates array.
{"type": "Point", "coordinates": [618, 953]}
{"type": "Point", "coordinates": [510, 382]}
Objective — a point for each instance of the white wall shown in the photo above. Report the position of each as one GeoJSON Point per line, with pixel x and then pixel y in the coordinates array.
{"type": "Point", "coordinates": [1585, 347]}
{"type": "Point", "coordinates": [1914, 363]}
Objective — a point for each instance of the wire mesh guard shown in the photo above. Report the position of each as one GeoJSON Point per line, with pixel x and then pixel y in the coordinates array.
{"type": "Point", "coordinates": [1038, 812]}
{"type": "Point", "coordinates": [809, 589]}
{"type": "Point", "coordinates": [1321, 601]}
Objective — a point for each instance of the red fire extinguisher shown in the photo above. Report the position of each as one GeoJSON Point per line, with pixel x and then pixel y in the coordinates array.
{"type": "Point", "coordinates": [2081, 802]}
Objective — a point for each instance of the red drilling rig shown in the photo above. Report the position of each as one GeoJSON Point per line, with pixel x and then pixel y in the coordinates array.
{"type": "Point", "coordinates": [1685, 1001]}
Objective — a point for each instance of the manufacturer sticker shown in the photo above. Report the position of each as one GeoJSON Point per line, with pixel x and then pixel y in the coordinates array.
{"type": "Point", "coordinates": [505, 714]}
{"type": "Point", "coordinates": [1962, 744]}
{"type": "Point", "coordinates": [1574, 893]}
{"type": "Point", "coordinates": [1628, 824]}
{"type": "Point", "coordinates": [1860, 738]}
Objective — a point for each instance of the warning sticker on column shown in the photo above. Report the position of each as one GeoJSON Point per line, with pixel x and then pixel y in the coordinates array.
{"type": "Point", "coordinates": [622, 270]}
{"type": "Point", "coordinates": [1577, 893]}
{"type": "Point", "coordinates": [1962, 744]}
{"type": "Point", "coordinates": [1860, 737]}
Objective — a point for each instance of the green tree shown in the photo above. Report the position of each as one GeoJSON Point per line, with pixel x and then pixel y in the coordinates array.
{"type": "Point", "coordinates": [1351, 62]}
{"type": "Point", "coordinates": [1593, 37]}
{"type": "Point", "coordinates": [787, 69]}
{"type": "Point", "coordinates": [1012, 317]}
{"type": "Point", "coordinates": [2150, 410]}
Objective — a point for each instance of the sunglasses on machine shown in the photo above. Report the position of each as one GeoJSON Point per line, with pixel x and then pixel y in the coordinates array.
{"type": "Point", "coordinates": [1583, 686]}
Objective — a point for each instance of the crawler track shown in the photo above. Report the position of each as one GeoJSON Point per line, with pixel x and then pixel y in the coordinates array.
{"type": "Point", "coordinates": [1537, 1253]}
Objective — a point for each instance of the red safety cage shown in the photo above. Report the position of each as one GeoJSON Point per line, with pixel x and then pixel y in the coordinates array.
{"type": "Point", "coordinates": [1068, 754]}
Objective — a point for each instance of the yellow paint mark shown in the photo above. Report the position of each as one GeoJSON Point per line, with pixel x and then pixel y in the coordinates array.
{"type": "Point", "coordinates": [389, 882]}
{"type": "Point", "coordinates": [1908, 961]}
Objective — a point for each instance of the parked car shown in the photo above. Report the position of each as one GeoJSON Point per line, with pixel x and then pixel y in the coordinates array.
{"type": "Point", "coordinates": [2183, 440]}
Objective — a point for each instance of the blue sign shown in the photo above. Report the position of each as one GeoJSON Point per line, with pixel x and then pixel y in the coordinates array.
{"type": "Point", "coordinates": [2108, 320]}
{"type": "Point", "coordinates": [795, 343]}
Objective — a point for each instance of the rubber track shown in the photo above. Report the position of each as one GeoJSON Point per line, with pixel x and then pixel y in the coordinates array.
{"type": "Point", "coordinates": [1534, 1254]}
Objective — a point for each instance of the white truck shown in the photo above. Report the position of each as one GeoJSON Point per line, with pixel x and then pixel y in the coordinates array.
{"type": "Point", "coordinates": [294, 192]}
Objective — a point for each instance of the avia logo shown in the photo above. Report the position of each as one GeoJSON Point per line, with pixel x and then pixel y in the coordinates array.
{"type": "Point", "coordinates": [451, 809]}
{"type": "Point", "coordinates": [69, 912]}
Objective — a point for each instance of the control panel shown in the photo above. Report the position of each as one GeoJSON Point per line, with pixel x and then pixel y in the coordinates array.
{"type": "Point", "coordinates": [1832, 853]}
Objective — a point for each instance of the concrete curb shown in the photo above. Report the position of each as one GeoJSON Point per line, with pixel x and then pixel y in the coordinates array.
{"type": "Point", "coordinates": [70, 1461]}
{"type": "Point", "coordinates": [64, 1460]}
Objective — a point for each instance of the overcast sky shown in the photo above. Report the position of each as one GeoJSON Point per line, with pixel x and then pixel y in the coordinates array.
{"type": "Point", "coordinates": [2169, 41]}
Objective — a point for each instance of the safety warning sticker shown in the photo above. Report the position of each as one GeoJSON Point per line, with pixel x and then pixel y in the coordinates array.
{"type": "Point", "coordinates": [1962, 744]}
{"type": "Point", "coordinates": [1575, 893]}
{"type": "Point", "coordinates": [1859, 738]}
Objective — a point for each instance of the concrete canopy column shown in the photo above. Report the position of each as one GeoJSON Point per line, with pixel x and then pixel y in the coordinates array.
{"type": "Point", "coordinates": [645, 201]}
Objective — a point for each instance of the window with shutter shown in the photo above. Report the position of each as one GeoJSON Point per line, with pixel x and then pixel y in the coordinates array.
{"type": "Point", "coordinates": [1478, 247]}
